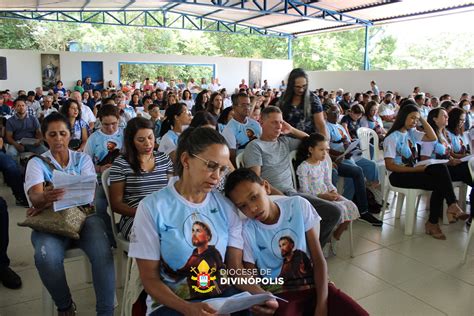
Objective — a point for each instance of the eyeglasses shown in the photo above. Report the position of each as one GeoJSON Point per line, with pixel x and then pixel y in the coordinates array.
{"type": "Point", "coordinates": [212, 166]}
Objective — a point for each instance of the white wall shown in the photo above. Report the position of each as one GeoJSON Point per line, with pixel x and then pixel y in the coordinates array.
{"type": "Point", "coordinates": [434, 81]}
{"type": "Point", "coordinates": [24, 67]}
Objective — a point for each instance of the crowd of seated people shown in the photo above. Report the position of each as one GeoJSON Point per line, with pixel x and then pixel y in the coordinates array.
{"type": "Point", "coordinates": [164, 167]}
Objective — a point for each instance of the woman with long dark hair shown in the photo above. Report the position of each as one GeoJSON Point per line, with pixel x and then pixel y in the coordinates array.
{"type": "Point", "coordinates": [78, 127]}
{"type": "Point", "coordinates": [137, 173]}
{"type": "Point", "coordinates": [443, 149]}
{"type": "Point", "coordinates": [215, 105]}
{"type": "Point", "coordinates": [401, 155]}
{"type": "Point", "coordinates": [191, 216]}
{"type": "Point", "coordinates": [455, 132]}
{"type": "Point", "coordinates": [177, 116]}
{"type": "Point", "coordinates": [301, 108]}
{"type": "Point", "coordinates": [201, 101]}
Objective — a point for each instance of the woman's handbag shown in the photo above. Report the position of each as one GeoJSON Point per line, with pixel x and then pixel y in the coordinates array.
{"type": "Point", "coordinates": [68, 222]}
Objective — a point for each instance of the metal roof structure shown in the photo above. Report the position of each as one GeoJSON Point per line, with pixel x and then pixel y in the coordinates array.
{"type": "Point", "coordinates": [287, 18]}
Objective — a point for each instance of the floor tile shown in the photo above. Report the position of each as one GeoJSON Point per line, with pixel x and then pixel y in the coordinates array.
{"type": "Point", "coordinates": [391, 302]}
{"type": "Point", "coordinates": [390, 266]}
{"type": "Point", "coordinates": [434, 290]}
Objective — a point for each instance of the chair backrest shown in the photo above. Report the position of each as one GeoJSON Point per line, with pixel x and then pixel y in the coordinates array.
{"type": "Point", "coordinates": [366, 135]}
{"type": "Point", "coordinates": [239, 160]}
{"type": "Point", "coordinates": [292, 167]}
{"type": "Point", "coordinates": [105, 185]}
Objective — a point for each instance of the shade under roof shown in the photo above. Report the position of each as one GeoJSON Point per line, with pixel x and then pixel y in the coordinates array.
{"type": "Point", "coordinates": [288, 17]}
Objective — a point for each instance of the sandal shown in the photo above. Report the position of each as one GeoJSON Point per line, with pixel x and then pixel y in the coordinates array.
{"type": "Point", "coordinates": [457, 213]}
{"type": "Point", "coordinates": [434, 230]}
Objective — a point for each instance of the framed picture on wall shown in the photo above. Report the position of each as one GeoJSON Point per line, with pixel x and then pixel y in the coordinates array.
{"type": "Point", "coordinates": [255, 74]}
{"type": "Point", "coordinates": [50, 70]}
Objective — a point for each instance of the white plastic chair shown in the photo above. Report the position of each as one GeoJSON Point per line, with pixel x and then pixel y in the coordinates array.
{"type": "Point", "coordinates": [48, 304]}
{"type": "Point", "coordinates": [122, 243]}
{"type": "Point", "coordinates": [366, 135]}
{"type": "Point", "coordinates": [239, 160]}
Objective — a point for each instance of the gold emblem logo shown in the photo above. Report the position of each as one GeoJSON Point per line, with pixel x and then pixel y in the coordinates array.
{"type": "Point", "coordinates": [203, 277]}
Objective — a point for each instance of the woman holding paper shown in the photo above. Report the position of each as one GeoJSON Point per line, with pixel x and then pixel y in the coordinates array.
{"type": "Point", "coordinates": [50, 248]}
{"type": "Point", "coordinates": [182, 234]}
{"type": "Point", "coordinates": [442, 148]}
{"type": "Point", "coordinates": [401, 154]}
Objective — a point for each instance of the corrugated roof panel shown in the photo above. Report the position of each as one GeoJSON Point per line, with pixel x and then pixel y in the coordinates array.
{"type": "Point", "coordinates": [305, 25]}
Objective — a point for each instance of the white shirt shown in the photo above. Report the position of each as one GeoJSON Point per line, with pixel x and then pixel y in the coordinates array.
{"type": "Point", "coordinates": [87, 115]}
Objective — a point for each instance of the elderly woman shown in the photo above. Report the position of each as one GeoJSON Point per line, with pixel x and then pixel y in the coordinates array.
{"type": "Point", "coordinates": [50, 248]}
{"type": "Point", "coordinates": [190, 216]}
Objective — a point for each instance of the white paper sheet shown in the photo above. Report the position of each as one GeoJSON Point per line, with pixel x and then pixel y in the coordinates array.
{"type": "Point", "coordinates": [352, 148]}
{"type": "Point", "coordinates": [239, 302]}
{"type": "Point", "coordinates": [80, 189]}
{"type": "Point", "coordinates": [428, 162]}
{"type": "Point", "coordinates": [28, 141]}
{"type": "Point", "coordinates": [467, 158]}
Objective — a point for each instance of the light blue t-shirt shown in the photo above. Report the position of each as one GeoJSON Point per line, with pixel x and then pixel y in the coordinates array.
{"type": "Point", "coordinates": [238, 135]}
{"type": "Point", "coordinates": [100, 144]}
{"type": "Point", "coordinates": [439, 149]}
{"type": "Point", "coordinates": [182, 235]}
{"type": "Point", "coordinates": [458, 142]}
{"type": "Point", "coordinates": [338, 136]}
{"type": "Point", "coordinates": [282, 247]}
{"type": "Point", "coordinates": [401, 147]}
{"type": "Point", "coordinates": [169, 142]}
{"type": "Point", "coordinates": [38, 172]}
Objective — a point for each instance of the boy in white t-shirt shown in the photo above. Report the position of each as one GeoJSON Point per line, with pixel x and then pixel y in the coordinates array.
{"type": "Point", "coordinates": [280, 238]}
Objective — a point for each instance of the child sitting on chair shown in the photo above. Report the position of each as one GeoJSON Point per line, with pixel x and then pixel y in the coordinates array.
{"type": "Point", "coordinates": [280, 238]}
{"type": "Point", "coordinates": [314, 178]}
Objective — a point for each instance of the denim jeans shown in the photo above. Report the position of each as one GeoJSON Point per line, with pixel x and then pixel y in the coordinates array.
{"type": "Point", "coordinates": [49, 260]}
{"type": "Point", "coordinates": [12, 175]}
{"type": "Point", "coordinates": [349, 169]}
{"type": "Point", "coordinates": [40, 149]}
{"type": "Point", "coordinates": [4, 260]}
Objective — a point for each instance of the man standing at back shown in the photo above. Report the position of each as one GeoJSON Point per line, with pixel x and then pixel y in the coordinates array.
{"type": "Point", "coordinates": [269, 157]}
{"type": "Point", "coordinates": [237, 131]}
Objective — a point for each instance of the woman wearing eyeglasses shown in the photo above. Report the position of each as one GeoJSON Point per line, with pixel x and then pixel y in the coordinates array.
{"type": "Point", "coordinates": [137, 173]}
{"type": "Point", "coordinates": [183, 233]}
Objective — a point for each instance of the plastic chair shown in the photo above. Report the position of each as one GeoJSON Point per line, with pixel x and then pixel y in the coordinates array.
{"type": "Point", "coordinates": [48, 304]}
{"type": "Point", "coordinates": [366, 135]}
{"type": "Point", "coordinates": [239, 160]}
{"type": "Point", "coordinates": [122, 243]}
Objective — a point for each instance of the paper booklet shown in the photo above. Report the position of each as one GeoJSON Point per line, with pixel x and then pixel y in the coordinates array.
{"type": "Point", "coordinates": [80, 189]}
{"type": "Point", "coordinates": [28, 141]}
{"type": "Point", "coordinates": [428, 162]}
{"type": "Point", "coordinates": [239, 302]}
{"type": "Point", "coordinates": [351, 149]}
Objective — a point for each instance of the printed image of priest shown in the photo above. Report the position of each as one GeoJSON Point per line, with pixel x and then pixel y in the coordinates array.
{"type": "Point", "coordinates": [201, 235]}
{"type": "Point", "coordinates": [297, 267]}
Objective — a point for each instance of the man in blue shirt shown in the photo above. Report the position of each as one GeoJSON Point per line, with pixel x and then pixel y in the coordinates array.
{"type": "Point", "coordinates": [23, 126]}
{"type": "Point", "coordinates": [88, 85]}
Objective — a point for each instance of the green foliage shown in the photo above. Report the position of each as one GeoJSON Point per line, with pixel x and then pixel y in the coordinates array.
{"type": "Point", "coordinates": [327, 51]}
{"type": "Point", "coordinates": [131, 72]}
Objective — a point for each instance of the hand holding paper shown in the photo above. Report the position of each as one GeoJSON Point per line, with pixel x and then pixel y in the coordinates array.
{"type": "Point", "coordinates": [79, 189]}
{"type": "Point", "coordinates": [239, 302]}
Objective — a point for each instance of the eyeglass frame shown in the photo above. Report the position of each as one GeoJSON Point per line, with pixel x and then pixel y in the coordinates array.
{"type": "Point", "coordinates": [223, 170]}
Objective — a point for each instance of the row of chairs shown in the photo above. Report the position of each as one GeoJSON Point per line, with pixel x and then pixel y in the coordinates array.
{"type": "Point", "coordinates": [368, 138]}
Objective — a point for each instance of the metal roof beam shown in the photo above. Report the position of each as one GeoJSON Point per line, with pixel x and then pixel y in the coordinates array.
{"type": "Point", "coordinates": [128, 4]}
{"type": "Point", "coordinates": [301, 11]}
{"type": "Point", "coordinates": [141, 18]}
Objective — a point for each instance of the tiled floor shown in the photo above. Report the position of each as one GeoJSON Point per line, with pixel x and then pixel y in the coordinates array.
{"type": "Point", "coordinates": [391, 274]}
